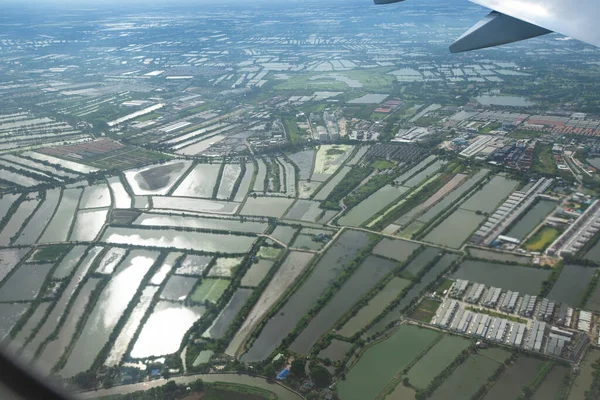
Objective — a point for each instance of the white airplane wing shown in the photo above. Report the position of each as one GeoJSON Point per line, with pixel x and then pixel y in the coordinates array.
{"type": "Point", "coordinates": [514, 20]}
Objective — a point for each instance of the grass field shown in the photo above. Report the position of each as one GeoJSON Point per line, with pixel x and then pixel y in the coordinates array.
{"type": "Point", "coordinates": [147, 117]}
{"type": "Point", "coordinates": [543, 160]}
{"type": "Point", "coordinates": [292, 129]}
{"type": "Point", "coordinates": [210, 290]}
{"type": "Point", "coordinates": [381, 363]}
{"type": "Point", "coordinates": [382, 164]}
{"type": "Point", "coordinates": [436, 360]}
{"type": "Point", "coordinates": [447, 284]}
{"type": "Point", "coordinates": [426, 310]}
{"type": "Point", "coordinates": [542, 238]}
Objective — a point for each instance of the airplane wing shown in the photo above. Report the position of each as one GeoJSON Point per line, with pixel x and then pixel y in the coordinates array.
{"type": "Point", "coordinates": [514, 20]}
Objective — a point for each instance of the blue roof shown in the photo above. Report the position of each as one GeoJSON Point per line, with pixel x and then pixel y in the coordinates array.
{"type": "Point", "coordinates": [155, 372]}
{"type": "Point", "coordinates": [283, 374]}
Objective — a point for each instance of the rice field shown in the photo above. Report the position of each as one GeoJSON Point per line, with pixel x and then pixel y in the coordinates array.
{"type": "Point", "coordinates": [210, 290]}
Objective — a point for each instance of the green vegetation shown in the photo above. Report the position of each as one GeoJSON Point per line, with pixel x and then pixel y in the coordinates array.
{"type": "Point", "coordinates": [50, 253]}
{"type": "Point", "coordinates": [147, 117]}
{"type": "Point", "coordinates": [210, 290]}
{"type": "Point", "coordinates": [426, 121]}
{"type": "Point", "coordinates": [291, 127]}
{"type": "Point", "coordinates": [542, 239]}
{"type": "Point", "coordinates": [374, 184]}
{"type": "Point", "coordinates": [544, 160]}
{"type": "Point", "coordinates": [348, 184]}
{"type": "Point", "coordinates": [490, 127]}
{"type": "Point", "coordinates": [382, 164]}
{"type": "Point", "coordinates": [445, 285]}
{"type": "Point", "coordinates": [426, 310]}
{"type": "Point", "coordinates": [496, 314]}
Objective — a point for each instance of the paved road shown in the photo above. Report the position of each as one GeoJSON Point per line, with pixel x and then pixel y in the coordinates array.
{"type": "Point", "coordinates": [281, 391]}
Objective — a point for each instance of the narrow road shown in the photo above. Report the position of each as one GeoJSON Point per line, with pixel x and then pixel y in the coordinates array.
{"type": "Point", "coordinates": [281, 391]}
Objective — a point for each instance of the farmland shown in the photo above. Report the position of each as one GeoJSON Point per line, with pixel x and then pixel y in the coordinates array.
{"type": "Point", "coordinates": [298, 194]}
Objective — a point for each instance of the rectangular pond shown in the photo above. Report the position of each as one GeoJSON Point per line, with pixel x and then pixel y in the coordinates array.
{"type": "Point", "coordinates": [42, 216]}
{"type": "Point", "coordinates": [526, 223]}
{"type": "Point", "coordinates": [368, 274]}
{"type": "Point", "coordinates": [488, 198]}
{"type": "Point", "coordinates": [526, 280]}
{"type": "Point", "coordinates": [200, 182]}
{"type": "Point", "coordinates": [219, 327]}
{"type": "Point", "coordinates": [372, 205]}
{"type": "Point", "coordinates": [455, 229]}
{"type": "Point", "coordinates": [202, 241]}
{"type": "Point", "coordinates": [107, 312]}
{"type": "Point", "coordinates": [571, 284]}
{"type": "Point", "coordinates": [325, 272]}
{"type": "Point", "coordinates": [236, 225]}
{"type": "Point", "coordinates": [58, 229]}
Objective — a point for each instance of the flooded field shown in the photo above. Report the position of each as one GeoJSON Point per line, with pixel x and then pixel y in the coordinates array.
{"type": "Point", "coordinates": [54, 350]}
{"type": "Point", "coordinates": [291, 268]}
{"type": "Point", "coordinates": [32, 322]}
{"type": "Point", "coordinates": [259, 182]}
{"type": "Point", "coordinates": [9, 258]}
{"type": "Point", "coordinates": [150, 219]}
{"type": "Point", "coordinates": [375, 307]}
{"type": "Point", "coordinates": [244, 187]}
{"type": "Point", "coordinates": [414, 292]}
{"type": "Point", "coordinates": [121, 344]}
{"type": "Point", "coordinates": [25, 283]}
{"type": "Point", "coordinates": [499, 256]}
{"type": "Point", "coordinates": [16, 221]}
{"type": "Point", "coordinates": [414, 170]}
{"type": "Point", "coordinates": [491, 195]}
{"type": "Point", "coordinates": [113, 301]}
{"type": "Point", "coordinates": [111, 259]}
{"type": "Point", "coordinates": [455, 229]}
{"type": "Point", "coordinates": [284, 233]}
{"type": "Point", "coordinates": [371, 205]}
{"type": "Point", "coordinates": [304, 210]}
{"type": "Point", "coordinates": [59, 227]}
{"type": "Point", "coordinates": [9, 316]}
{"type": "Point", "coordinates": [531, 219]}
{"type": "Point", "coordinates": [379, 364]}
{"type": "Point", "coordinates": [209, 242]}
{"type": "Point", "coordinates": [225, 267]}
{"type": "Point", "coordinates": [442, 354]}
{"type": "Point", "coordinates": [193, 265]}
{"type": "Point", "coordinates": [421, 261]}
{"type": "Point", "coordinates": [96, 196]}
{"type": "Point", "coordinates": [6, 201]}
{"type": "Point", "coordinates": [159, 276]}
{"type": "Point", "coordinates": [371, 271]}
{"type": "Point", "coordinates": [307, 242]}
{"type": "Point", "coordinates": [585, 378]}
{"type": "Point", "coordinates": [163, 333]}
{"type": "Point", "coordinates": [226, 317]}
{"type": "Point", "coordinates": [69, 262]}
{"type": "Point", "coordinates": [122, 198]}
{"type": "Point", "coordinates": [266, 206]}
{"type": "Point", "coordinates": [329, 186]}
{"type": "Point", "coordinates": [336, 351]}
{"type": "Point", "coordinates": [551, 384]}
{"type": "Point", "coordinates": [257, 273]}
{"type": "Point", "coordinates": [304, 161]}
{"type": "Point", "coordinates": [511, 382]}
{"type": "Point", "coordinates": [526, 280]}
{"type": "Point", "coordinates": [467, 378]}
{"type": "Point", "coordinates": [306, 189]}
{"type": "Point", "coordinates": [426, 173]}
{"type": "Point", "coordinates": [42, 216]}
{"type": "Point", "coordinates": [200, 182]}
{"type": "Point", "coordinates": [230, 176]}
{"type": "Point", "coordinates": [210, 290]}
{"type": "Point", "coordinates": [178, 288]}
{"type": "Point", "coordinates": [571, 284]}
{"type": "Point", "coordinates": [593, 254]}
{"type": "Point", "coordinates": [88, 225]}
{"type": "Point", "coordinates": [156, 179]}
{"type": "Point", "coordinates": [331, 265]}
{"type": "Point", "coordinates": [453, 196]}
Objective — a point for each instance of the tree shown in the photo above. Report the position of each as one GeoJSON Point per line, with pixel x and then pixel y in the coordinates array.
{"type": "Point", "coordinates": [298, 368]}
{"type": "Point", "coordinates": [405, 381]}
{"type": "Point", "coordinates": [269, 371]}
{"type": "Point", "coordinates": [320, 376]}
